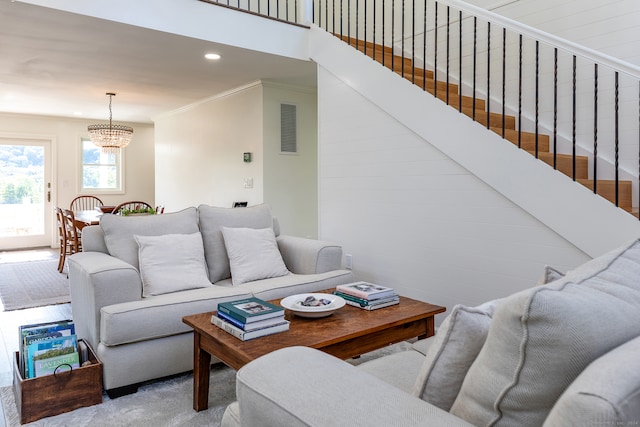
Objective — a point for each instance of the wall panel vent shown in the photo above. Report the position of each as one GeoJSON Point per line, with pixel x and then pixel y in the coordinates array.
{"type": "Point", "coordinates": [288, 128]}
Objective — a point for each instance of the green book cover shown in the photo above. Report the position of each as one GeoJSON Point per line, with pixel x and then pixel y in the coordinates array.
{"type": "Point", "coordinates": [50, 347]}
{"type": "Point", "coordinates": [56, 361]}
{"type": "Point", "coordinates": [249, 310]}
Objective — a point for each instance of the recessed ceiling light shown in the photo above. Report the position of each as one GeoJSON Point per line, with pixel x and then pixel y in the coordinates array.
{"type": "Point", "coordinates": [77, 113]}
{"type": "Point", "coordinates": [212, 56]}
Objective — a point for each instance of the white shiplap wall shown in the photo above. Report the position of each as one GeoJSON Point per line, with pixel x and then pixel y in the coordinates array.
{"type": "Point", "coordinates": [414, 219]}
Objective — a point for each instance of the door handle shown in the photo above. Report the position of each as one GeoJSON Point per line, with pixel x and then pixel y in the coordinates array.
{"type": "Point", "coordinates": [48, 196]}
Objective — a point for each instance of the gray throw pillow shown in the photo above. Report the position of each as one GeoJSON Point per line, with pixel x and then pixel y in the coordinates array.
{"type": "Point", "coordinates": [119, 230]}
{"type": "Point", "coordinates": [454, 348]}
{"type": "Point", "coordinates": [212, 218]}
{"type": "Point", "coordinates": [606, 393]}
{"type": "Point", "coordinates": [542, 338]}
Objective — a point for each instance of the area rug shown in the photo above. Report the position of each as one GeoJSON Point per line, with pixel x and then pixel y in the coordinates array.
{"type": "Point", "coordinates": [32, 284]}
{"type": "Point", "coordinates": [161, 403]}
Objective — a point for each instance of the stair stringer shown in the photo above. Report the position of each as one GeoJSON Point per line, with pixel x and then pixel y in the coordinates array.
{"type": "Point", "coordinates": [586, 220]}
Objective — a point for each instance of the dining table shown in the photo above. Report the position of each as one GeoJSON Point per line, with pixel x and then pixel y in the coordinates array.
{"type": "Point", "coordinates": [87, 217]}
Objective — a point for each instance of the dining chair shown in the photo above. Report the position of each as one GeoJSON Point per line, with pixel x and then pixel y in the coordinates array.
{"type": "Point", "coordinates": [62, 238]}
{"type": "Point", "coordinates": [159, 210]}
{"type": "Point", "coordinates": [133, 206]}
{"type": "Point", "coordinates": [72, 233]}
{"type": "Point", "coordinates": [85, 203]}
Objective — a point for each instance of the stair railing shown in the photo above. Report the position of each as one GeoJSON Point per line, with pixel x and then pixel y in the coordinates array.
{"type": "Point", "coordinates": [588, 102]}
{"type": "Point", "coordinates": [285, 11]}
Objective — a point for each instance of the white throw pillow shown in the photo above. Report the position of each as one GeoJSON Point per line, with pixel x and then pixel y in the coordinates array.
{"type": "Point", "coordinates": [456, 345]}
{"type": "Point", "coordinates": [171, 263]}
{"type": "Point", "coordinates": [253, 254]}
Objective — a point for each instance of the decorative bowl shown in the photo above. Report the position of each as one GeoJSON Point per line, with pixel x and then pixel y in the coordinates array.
{"type": "Point", "coordinates": [107, 209]}
{"type": "Point", "coordinates": [313, 305]}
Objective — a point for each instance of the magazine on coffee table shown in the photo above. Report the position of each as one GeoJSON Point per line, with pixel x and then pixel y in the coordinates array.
{"type": "Point", "coordinates": [366, 290]}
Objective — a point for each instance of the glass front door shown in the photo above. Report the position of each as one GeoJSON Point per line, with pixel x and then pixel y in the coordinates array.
{"type": "Point", "coordinates": [25, 193]}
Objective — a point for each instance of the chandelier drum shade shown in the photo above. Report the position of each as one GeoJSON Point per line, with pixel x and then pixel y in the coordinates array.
{"type": "Point", "coordinates": [109, 137]}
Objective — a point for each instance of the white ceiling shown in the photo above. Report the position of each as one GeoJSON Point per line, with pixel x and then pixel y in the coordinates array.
{"type": "Point", "coordinates": [59, 63]}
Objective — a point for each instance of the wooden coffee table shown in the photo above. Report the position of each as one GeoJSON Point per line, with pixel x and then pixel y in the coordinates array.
{"type": "Point", "coordinates": [348, 332]}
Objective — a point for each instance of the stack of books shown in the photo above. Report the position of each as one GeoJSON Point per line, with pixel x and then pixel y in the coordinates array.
{"type": "Point", "coordinates": [250, 318]}
{"type": "Point", "coordinates": [48, 348]}
{"type": "Point", "coordinates": [367, 295]}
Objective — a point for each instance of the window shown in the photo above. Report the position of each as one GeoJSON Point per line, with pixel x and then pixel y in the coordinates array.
{"type": "Point", "coordinates": [100, 172]}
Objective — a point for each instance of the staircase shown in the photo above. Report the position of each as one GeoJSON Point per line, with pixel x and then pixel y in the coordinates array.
{"type": "Point", "coordinates": [476, 109]}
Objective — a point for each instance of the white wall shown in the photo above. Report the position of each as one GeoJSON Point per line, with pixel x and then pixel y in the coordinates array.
{"type": "Point", "coordinates": [66, 132]}
{"type": "Point", "coordinates": [291, 180]}
{"type": "Point", "coordinates": [199, 155]}
{"type": "Point", "coordinates": [414, 219]}
{"type": "Point", "coordinates": [199, 151]}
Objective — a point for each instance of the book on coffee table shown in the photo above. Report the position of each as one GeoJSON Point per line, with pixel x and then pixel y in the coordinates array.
{"type": "Point", "coordinates": [250, 310]}
{"type": "Point", "coordinates": [247, 335]}
{"type": "Point", "coordinates": [366, 290]}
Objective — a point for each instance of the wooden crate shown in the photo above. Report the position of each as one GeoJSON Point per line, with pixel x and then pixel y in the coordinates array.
{"type": "Point", "coordinates": [54, 394]}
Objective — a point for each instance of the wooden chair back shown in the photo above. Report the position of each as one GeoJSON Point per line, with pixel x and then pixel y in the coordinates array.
{"type": "Point", "coordinates": [133, 206]}
{"type": "Point", "coordinates": [85, 203]}
{"type": "Point", "coordinates": [62, 238]}
{"type": "Point", "coordinates": [72, 233]}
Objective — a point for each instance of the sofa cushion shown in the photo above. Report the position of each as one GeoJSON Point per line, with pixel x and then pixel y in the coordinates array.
{"type": "Point", "coordinates": [119, 230]}
{"type": "Point", "coordinates": [605, 393]}
{"type": "Point", "coordinates": [212, 218]}
{"type": "Point", "coordinates": [253, 254]}
{"type": "Point", "coordinates": [542, 338]}
{"type": "Point", "coordinates": [398, 369]}
{"type": "Point", "coordinates": [453, 350]}
{"type": "Point", "coordinates": [161, 315]}
{"type": "Point", "coordinates": [171, 263]}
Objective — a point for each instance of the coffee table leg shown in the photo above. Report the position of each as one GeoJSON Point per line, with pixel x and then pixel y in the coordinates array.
{"type": "Point", "coordinates": [201, 372]}
{"type": "Point", "coordinates": [431, 329]}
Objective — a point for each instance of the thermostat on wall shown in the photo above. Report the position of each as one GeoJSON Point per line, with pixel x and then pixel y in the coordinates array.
{"type": "Point", "coordinates": [247, 157]}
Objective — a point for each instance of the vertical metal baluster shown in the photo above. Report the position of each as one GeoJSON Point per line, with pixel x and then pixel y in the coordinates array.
{"type": "Point", "coordinates": [424, 48]}
{"type": "Point", "coordinates": [349, 22]}
{"type": "Point", "coordinates": [313, 11]}
{"type": "Point", "coordinates": [393, 35]}
{"type": "Point", "coordinates": [259, 6]}
{"type": "Point", "coordinates": [435, 51]}
{"type": "Point", "coordinates": [555, 108]}
{"type": "Point", "coordinates": [383, 27]}
{"type": "Point", "coordinates": [475, 49]}
{"type": "Point", "coordinates": [617, 141]}
{"type": "Point", "coordinates": [504, 79]}
{"type": "Point", "coordinates": [295, 10]}
{"type": "Point", "coordinates": [573, 131]}
{"type": "Point", "coordinates": [639, 146]}
{"type": "Point", "coordinates": [341, 19]}
{"type": "Point", "coordinates": [537, 107]}
{"type": "Point", "coordinates": [278, 11]}
{"type": "Point", "coordinates": [364, 23]}
{"type": "Point", "coordinates": [373, 32]}
{"type": "Point", "coordinates": [413, 42]}
{"type": "Point", "coordinates": [357, 25]}
{"type": "Point", "coordinates": [402, 42]}
{"type": "Point", "coordinates": [447, 92]}
{"type": "Point", "coordinates": [460, 62]}
{"type": "Point", "coordinates": [488, 75]}
{"type": "Point", "coordinates": [595, 128]}
{"type": "Point", "coordinates": [287, 12]}
{"type": "Point", "coordinates": [520, 92]}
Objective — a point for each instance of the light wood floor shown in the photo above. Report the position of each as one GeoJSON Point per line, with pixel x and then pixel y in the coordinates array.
{"type": "Point", "coordinates": [10, 320]}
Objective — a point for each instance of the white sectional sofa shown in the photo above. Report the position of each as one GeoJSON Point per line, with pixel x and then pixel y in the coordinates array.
{"type": "Point", "coordinates": [565, 353]}
{"type": "Point", "coordinates": [139, 275]}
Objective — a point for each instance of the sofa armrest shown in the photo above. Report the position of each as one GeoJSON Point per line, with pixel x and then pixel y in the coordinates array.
{"type": "Point", "coordinates": [300, 386]}
{"type": "Point", "coordinates": [97, 280]}
{"type": "Point", "coordinates": [309, 256]}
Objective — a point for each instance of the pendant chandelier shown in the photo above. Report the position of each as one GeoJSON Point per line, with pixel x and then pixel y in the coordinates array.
{"type": "Point", "coordinates": [110, 138]}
